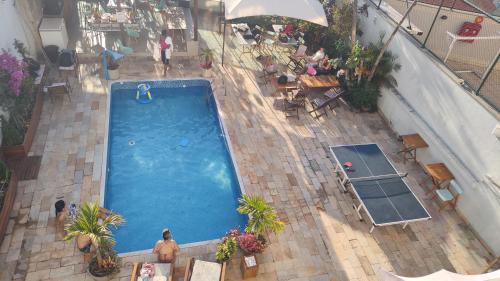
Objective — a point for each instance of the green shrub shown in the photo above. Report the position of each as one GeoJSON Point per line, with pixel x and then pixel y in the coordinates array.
{"type": "Point", "coordinates": [262, 217]}
{"type": "Point", "coordinates": [226, 249]}
{"type": "Point", "coordinates": [4, 181]}
{"type": "Point", "coordinates": [363, 96]}
{"type": "Point", "coordinates": [19, 109]}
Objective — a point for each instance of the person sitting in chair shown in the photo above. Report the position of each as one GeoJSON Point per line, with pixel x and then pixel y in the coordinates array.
{"type": "Point", "coordinates": [315, 59]}
{"type": "Point", "coordinates": [166, 248]}
{"type": "Point", "coordinates": [325, 66]}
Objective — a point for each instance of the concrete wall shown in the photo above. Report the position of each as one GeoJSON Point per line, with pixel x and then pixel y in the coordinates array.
{"type": "Point", "coordinates": [16, 24]}
{"type": "Point", "coordinates": [456, 126]}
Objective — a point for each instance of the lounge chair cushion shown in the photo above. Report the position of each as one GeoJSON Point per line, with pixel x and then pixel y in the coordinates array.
{"type": "Point", "coordinates": [206, 271]}
{"type": "Point", "coordinates": [162, 269]}
{"type": "Point", "coordinates": [155, 278]}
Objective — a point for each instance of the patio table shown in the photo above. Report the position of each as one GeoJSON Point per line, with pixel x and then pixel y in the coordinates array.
{"type": "Point", "coordinates": [411, 143]}
{"type": "Point", "coordinates": [283, 88]}
{"type": "Point", "coordinates": [439, 174]}
{"type": "Point", "coordinates": [247, 45]}
{"type": "Point", "coordinates": [324, 81]}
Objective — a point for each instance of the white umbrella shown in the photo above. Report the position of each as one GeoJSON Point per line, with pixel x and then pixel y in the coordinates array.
{"type": "Point", "coordinates": [441, 275]}
{"type": "Point", "coordinates": [308, 10]}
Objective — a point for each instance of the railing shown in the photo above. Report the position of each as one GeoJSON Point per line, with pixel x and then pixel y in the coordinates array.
{"type": "Point", "coordinates": [440, 26]}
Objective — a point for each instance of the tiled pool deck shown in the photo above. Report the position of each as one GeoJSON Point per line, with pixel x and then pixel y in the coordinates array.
{"type": "Point", "coordinates": [284, 160]}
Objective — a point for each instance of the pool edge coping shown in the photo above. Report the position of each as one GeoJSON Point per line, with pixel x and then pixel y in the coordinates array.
{"type": "Point", "coordinates": [105, 152]}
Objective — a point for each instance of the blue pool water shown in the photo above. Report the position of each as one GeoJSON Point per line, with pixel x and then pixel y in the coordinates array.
{"type": "Point", "coordinates": [169, 166]}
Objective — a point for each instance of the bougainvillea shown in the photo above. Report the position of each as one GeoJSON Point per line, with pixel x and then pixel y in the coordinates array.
{"type": "Point", "coordinates": [13, 69]}
{"type": "Point", "coordinates": [250, 243]}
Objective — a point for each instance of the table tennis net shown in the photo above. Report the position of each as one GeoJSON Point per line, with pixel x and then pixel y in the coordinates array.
{"type": "Point", "coordinates": [379, 177]}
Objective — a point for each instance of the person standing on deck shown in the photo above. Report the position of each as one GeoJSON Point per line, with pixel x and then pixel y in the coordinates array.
{"type": "Point", "coordinates": [166, 47]}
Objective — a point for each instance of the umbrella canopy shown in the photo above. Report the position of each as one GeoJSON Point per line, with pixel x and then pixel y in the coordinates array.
{"type": "Point", "coordinates": [442, 275]}
{"type": "Point", "coordinates": [308, 10]}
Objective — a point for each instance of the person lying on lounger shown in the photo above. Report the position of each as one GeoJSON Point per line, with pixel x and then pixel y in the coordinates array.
{"type": "Point", "coordinates": [166, 248]}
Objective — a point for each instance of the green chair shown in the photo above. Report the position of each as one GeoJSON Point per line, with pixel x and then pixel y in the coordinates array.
{"type": "Point", "coordinates": [134, 34]}
{"type": "Point", "coordinates": [123, 49]}
{"type": "Point", "coordinates": [448, 196]}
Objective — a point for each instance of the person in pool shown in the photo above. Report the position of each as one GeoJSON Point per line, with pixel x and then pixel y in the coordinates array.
{"type": "Point", "coordinates": [166, 248]}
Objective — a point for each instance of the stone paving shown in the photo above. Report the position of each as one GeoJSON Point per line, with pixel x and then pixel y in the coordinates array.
{"type": "Point", "coordinates": [284, 160]}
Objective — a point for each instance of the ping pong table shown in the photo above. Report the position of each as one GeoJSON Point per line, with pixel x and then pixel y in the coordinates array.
{"type": "Point", "coordinates": [378, 187]}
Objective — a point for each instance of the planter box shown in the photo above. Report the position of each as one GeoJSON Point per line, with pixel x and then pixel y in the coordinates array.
{"type": "Point", "coordinates": [8, 203]}
{"type": "Point", "coordinates": [23, 149]}
{"type": "Point", "coordinates": [249, 270]}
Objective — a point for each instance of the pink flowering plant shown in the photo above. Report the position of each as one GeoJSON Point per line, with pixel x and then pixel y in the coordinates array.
{"type": "Point", "coordinates": [16, 98]}
{"type": "Point", "coordinates": [251, 244]}
{"type": "Point", "coordinates": [12, 72]}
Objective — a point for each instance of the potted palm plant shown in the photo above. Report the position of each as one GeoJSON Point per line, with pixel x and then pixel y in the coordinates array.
{"type": "Point", "coordinates": [90, 229]}
{"type": "Point", "coordinates": [262, 219]}
{"type": "Point", "coordinates": [206, 58]}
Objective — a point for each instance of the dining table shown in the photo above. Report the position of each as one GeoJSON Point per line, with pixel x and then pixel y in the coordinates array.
{"type": "Point", "coordinates": [322, 81]}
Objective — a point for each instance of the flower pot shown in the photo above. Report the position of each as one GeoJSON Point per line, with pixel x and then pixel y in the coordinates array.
{"type": "Point", "coordinates": [249, 266]}
{"type": "Point", "coordinates": [114, 74]}
{"type": "Point", "coordinates": [101, 278]}
{"type": "Point", "coordinates": [99, 274]}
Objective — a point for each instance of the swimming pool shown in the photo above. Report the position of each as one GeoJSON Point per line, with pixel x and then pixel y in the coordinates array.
{"type": "Point", "coordinates": [169, 166]}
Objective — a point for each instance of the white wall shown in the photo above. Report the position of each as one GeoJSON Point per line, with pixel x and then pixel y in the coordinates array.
{"type": "Point", "coordinates": [12, 27]}
{"type": "Point", "coordinates": [456, 126]}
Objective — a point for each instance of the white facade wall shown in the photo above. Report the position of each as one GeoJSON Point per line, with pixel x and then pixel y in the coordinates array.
{"type": "Point", "coordinates": [13, 27]}
{"type": "Point", "coordinates": [457, 127]}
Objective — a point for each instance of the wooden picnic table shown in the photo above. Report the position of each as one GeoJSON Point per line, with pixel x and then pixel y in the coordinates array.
{"type": "Point", "coordinates": [439, 174]}
{"type": "Point", "coordinates": [283, 88]}
{"type": "Point", "coordinates": [323, 81]}
{"type": "Point", "coordinates": [411, 143]}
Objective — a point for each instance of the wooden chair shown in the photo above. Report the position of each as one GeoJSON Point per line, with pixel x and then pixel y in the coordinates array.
{"type": "Point", "coordinates": [291, 108]}
{"type": "Point", "coordinates": [62, 88]}
{"type": "Point", "coordinates": [448, 196]}
{"type": "Point", "coordinates": [204, 271]}
{"type": "Point", "coordinates": [163, 272]}
{"type": "Point", "coordinates": [321, 104]}
{"type": "Point", "coordinates": [72, 68]}
{"type": "Point", "coordinates": [297, 58]}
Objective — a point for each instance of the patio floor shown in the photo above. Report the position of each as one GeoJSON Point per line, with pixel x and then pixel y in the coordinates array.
{"type": "Point", "coordinates": [284, 160]}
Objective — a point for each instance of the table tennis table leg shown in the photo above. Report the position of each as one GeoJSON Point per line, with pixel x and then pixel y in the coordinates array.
{"type": "Point", "coordinates": [358, 208]}
{"type": "Point", "coordinates": [405, 224]}
{"type": "Point", "coordinates": [372, 228]}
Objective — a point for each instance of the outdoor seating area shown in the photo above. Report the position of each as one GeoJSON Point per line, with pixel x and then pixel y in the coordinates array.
{"type": "Point", "coordinates": [275, 152]}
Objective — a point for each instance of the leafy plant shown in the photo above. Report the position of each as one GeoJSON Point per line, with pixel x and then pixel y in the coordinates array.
{"type": "Point", "coordinates": [16, 99]}
{"type": "Point", "coordinates": [262, 217]}
{"type": "Point", "coordinates": [226, 249]}
{"type": "Point", "coordinates": [206, 57]}
{"type": "Point", "coordinates": [109, 263]}
{"type": "Point", "coordinates": [88, 223]}
{"type": "Point", "coordinates": [363, 96]}
{"type": "Point", "coordinates": [5, 174]}
{"type": "Point", "coordinates": [387, 65]}
{"type": "Point", "coordinates": [251, 244]}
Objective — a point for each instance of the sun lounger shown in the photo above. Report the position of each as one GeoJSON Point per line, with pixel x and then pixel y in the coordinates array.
{"type": "Point", "coordinates": [198, 270]}
{"type": "Point", "coordinates": [163, 272]}
{"type": "Point", "coordinates": [330, 100]}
